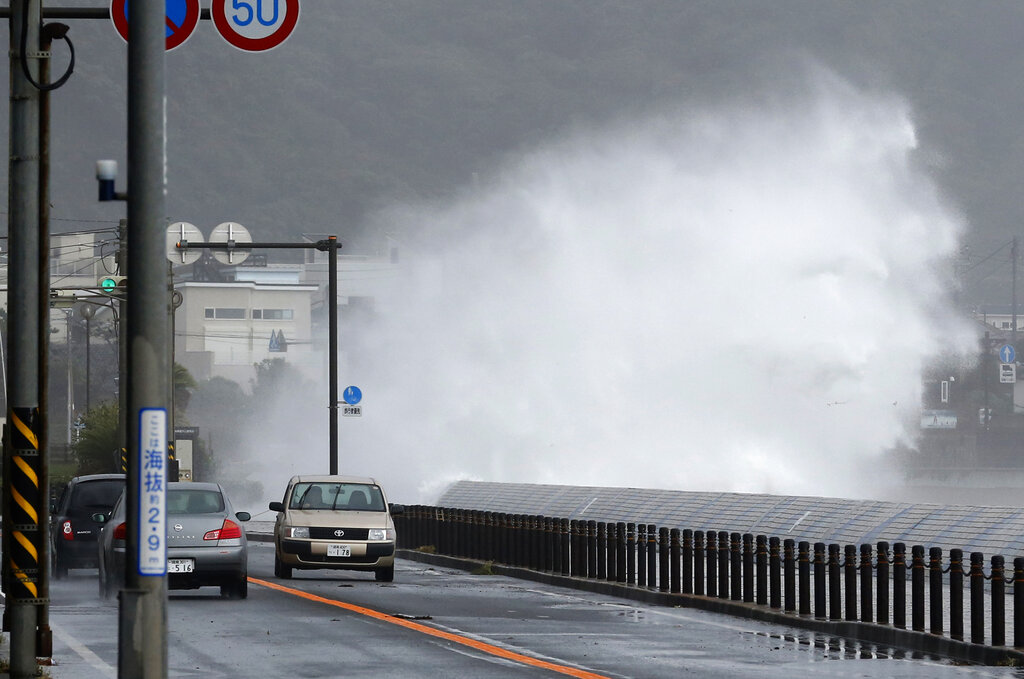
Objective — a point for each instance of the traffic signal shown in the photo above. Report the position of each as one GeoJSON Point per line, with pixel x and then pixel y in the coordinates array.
{"type": "Point", "coordinates": [114, 283]}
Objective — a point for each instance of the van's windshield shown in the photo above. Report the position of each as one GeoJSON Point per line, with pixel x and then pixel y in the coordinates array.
{"type": "Point", "coordinates": [361, 497]}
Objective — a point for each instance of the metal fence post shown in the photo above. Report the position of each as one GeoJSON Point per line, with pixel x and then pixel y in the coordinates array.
{"type": "Point", "coordinates": [641, 555]}
{"type": "Point", "coordinates": [698, 563]}
{"type": "Point", "coordinates": [935, 589]}
{"type": "Point", "coordinates": [882, 582]}
{"type": "Point", "coordinates": [867, 572]}
{"type": "Point", "coordinates": [819, 580]}
{"type": "Point", "coordinates": [998, 577]}
{"type": "Point", "coordinates": [835, 592]}
{"type": "Point", "coordinates": [899, 585]}
{"type": "Point", "coordinates": [956, 594]}
{"type": "Point", "coordinates": [917, 588]}
{"type": "Point", "coordinates": [977, 598]}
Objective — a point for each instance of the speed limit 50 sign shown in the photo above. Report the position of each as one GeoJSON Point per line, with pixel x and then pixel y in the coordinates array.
{"type": "Point", "coordinates": [255, 25]}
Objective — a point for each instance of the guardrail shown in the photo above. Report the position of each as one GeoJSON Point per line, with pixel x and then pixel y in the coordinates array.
{"type": "Point", "coordinates": [826, 582]}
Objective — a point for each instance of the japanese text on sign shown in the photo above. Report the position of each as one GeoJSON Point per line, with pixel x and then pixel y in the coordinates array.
{"type": "Point", "coordinates": [152, 492]}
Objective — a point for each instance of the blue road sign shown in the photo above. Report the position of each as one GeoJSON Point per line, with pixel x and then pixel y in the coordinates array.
{"type": "Point", "coordinates": [352, 395]}
{"type": "Point", "coordinates": [181, 19]}
{"type": "Point", "coordinates": [1007, 353]}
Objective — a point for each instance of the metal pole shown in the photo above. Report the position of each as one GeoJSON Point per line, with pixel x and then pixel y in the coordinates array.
{"type": "Point", "coordinates": [142, 619]}
{"type": "Point", "coordinates": [332, 315]}
{"type": "Point", "coordinates": [331, 247]}
{"type": "Point", "coordinates": [21, 566]}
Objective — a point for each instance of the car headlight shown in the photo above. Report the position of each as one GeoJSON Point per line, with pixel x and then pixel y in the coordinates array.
{"type": "Point", "coordinates": [298, 532]}
{"type": "Point", "coordinates": [381, 534]}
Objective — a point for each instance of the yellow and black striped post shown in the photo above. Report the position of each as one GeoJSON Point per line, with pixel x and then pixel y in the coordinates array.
{"type": "Point", "coordinates": [25, 545]}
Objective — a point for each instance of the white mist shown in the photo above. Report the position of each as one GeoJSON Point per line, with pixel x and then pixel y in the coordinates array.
{"type": "Point", "coordinates": [738, 299]}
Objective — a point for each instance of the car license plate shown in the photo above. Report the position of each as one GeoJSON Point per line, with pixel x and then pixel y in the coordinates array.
{"type": "Point", "coordinates": [180, 565]}
{"type": "Point", "coordinates": [339, 550]}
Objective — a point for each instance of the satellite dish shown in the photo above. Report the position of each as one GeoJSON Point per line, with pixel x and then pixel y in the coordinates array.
{"type": "Point", "coordinates": [236, 234]}
{"type": "Point", "coordinates": [179, 232]}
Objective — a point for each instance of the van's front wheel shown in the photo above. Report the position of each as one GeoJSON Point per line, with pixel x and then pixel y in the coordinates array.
{"type": "Point", "coordinates": [385, 574]}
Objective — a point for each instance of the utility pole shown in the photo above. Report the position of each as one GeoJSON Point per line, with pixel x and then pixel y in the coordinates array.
{"type": "Point", "coordinates": [24, 526]}
{"type": "Point", "coordinates": [142, 616]}
{"type": "Point", "coordinates": [24, 534]}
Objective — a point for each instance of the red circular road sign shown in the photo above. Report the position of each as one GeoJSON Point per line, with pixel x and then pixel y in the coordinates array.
{"type": "Point", "coordinates": [180, 16]}
{"type": "Point", "coordinates": [255, 25]}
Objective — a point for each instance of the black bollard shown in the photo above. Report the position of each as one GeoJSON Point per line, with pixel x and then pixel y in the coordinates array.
{"type": "Point", "coordinates": [612, 541]}
{"type": "Point", "coordinates": [652, 555]}
{"type": "Point", "coordinates": [641, 555]}
{"type": "Point", "coordinates": [556, 545]}
{"type": "Point", "coordinates": [804, 567]}
{"type": "Point", "coordinates": [563, 535]}
{"type": "Point", "coordinates": [602, 551]}
{"type": "Point", "coordinates": [621, 556]}
{"type": "Point", "coordinates": [698, 563]}
{"type": "Point", "coordinates": [681, 561]}
{"type": "Point", "coordinates": [935, 589]}
{"type": "Point", "coordinates": [724, 554]}
{"type": "Point", "coordinates": [867, 572]}
{"type": "Point", "coordinates": [736, 566]}
{"type": "Point", "coordinates": [1018, 602]}
{"type": "Point", "coordinates": [998, 577]}
{"type": "Point", "coordinates": [762, 560]}
{"type": "Point", "coordinates": [630, 553]}
{"type": "Point", "coordinates": [899, 585]}
{"type": "Point", "coordinates": [592, 554]}
{"type": "Point", "coordinates": [835, 592]}
{"type": "Point", "coordinates": [850, 570]}
{"type": "Point", "coordinates": [667, 573]}
{"type": "Point", "coordinates": [956, 594]}
{"type": "Point", "coordinates": [882, 582]}
{"type": "Point", "coordinates": [819, 580]}
{"type": "Point", "coordinates": [788, 575]}
{"type": "Point", "coordinates": [917, 588]}
{"type": "Point", "coordinates": [711, 558]}
{"type": "Point", "coordinates": [977, 576]}
{"type": "Point", "coordinates": [748, 568]}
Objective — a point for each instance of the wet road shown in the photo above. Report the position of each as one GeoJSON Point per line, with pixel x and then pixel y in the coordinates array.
{"type": "Point", "coordinates": [435, 622]}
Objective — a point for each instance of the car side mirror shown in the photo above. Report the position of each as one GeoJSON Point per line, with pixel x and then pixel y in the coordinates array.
{"type": "Point", "coordinates": [396, 509]}
{"type": "Point", "coordinates": [243, 516]}
{"type": "Point", "coordinates": [99, 518]}
{"type": "Point", "coordinates": [276, 507]}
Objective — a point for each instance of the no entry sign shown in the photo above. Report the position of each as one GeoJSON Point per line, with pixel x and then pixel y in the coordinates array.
{"type": "Point", "coordinates": [182, 17]}
{"type": "Point", "coordinates": [255, 25]}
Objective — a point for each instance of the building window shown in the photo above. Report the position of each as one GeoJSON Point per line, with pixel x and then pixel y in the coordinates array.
{"type": "Point", "coordinates": [232, 313]}
{"type": "Point", "coordinates": [272, 314]}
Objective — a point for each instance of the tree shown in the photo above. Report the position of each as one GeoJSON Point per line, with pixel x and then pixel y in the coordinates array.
{"type": "Point", "coordinates": [96, 447]}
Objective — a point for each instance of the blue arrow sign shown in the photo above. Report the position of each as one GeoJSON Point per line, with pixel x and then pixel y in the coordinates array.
{"type": "Point", "coordinates": [352, 395]}
{"type": "Point", "coordinates": [1007, 353]}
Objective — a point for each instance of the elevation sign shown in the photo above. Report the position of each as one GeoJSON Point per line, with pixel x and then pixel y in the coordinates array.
{"type": "Point", "coordinates": [255, 25]}
{"type": "Point", "coordinates": [181, 19]}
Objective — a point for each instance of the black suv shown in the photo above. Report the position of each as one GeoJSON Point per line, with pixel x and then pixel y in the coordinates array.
{"type": "Point", "coordinates": [73, 532]}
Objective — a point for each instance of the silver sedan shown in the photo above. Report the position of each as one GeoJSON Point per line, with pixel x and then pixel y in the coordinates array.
{"type": "Point", "coordinates": [206, 546]}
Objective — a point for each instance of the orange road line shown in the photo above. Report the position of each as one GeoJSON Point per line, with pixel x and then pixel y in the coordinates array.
{"type": "Point", "coordinates": [424, 629]}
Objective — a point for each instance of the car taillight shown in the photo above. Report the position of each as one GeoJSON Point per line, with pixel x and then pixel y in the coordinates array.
{"type": "Point", "coordinates": [228, 531]}
{"type": "Point", "coordinates": [66, 530]}
{"type": "Point", "coordinates": [120, 532]}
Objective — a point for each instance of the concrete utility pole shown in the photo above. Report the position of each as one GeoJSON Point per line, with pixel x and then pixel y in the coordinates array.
{"type": "Point", "coordinates": [23, 531]}
{"type": "Point", "coordinates": [142, 619]}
